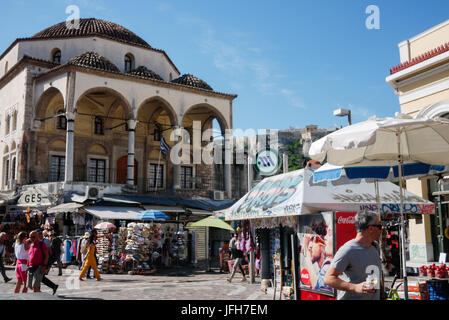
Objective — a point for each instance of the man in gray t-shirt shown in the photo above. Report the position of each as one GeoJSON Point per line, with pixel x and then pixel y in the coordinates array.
{"type": "Point", "coordinates": [356, 268]}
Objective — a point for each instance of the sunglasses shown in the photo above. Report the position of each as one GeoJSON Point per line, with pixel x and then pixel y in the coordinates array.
{"type": "Point", "coordinates": [378, 226]}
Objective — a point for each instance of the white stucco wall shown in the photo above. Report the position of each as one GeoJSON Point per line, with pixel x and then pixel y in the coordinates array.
{"type": "Point", "coordinates": [12, 98]}
{"type": "Point", "coordinates": [112, 50]}
{"type": "Point", "coordinates": [11, 57]}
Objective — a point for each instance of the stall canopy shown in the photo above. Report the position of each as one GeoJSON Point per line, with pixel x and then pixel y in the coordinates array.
{"type": "Point", "coordinates": [119, 213]}
{"type": "Point", "coordinates": [295, 193]}
{"type": "Point", "coordinates": [65, 207]}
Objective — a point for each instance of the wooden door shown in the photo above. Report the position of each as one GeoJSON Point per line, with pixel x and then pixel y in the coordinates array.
{"type": "Point", "coordinates": [122, 170]}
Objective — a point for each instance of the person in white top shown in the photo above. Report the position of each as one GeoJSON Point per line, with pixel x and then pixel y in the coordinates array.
{"type": "Point", "coordinates": [21, 249]}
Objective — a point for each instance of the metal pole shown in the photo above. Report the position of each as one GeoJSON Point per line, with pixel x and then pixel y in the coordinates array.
{"type": "Point", "coordinates": [285, 162]}
{"type": "Point", "coordinates": [294, 275]}
{"type": "Point", "coordinates": [404, 260]}
{"type": "Point", "coordinates": [252, 264]}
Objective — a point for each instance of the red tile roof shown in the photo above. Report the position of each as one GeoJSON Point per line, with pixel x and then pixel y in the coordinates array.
{"type": "Point", "coordinates": [425, 56]}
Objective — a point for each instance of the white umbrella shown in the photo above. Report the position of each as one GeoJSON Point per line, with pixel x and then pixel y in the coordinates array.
{"type": "Point", "coordinates": [390, 141]}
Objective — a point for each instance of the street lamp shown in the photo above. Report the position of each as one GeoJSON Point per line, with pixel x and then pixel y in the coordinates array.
{"type": "Point", "coordinates": [343, 112]}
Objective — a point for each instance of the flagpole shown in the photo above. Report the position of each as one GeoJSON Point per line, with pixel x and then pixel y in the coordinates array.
{"type": "Point", "coordinates": [157, 170]}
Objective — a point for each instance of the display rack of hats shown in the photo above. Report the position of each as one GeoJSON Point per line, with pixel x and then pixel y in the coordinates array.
{"type": "Point", "coordinates": [143, 239]}
{"type": "Point", "coordinates": [103, 250]}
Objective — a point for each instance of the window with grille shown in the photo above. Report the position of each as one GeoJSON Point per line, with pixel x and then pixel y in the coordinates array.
{"type": "Point", "coordinates": [62, 121]}
{"type": "Point", "coordinates": [7, 124]}
{"type": "Point", "coordinates": [98, 125]}
{"type": "Point", "coordinates": [57, 168]}
{"type": "Point", "coordinates": [97, 170]}
{"type": "Point", "coordinates": [13, 168]}
{"type": "Point", "coordinates": [56, 56]}
{"type": "Point", "coordinates": [155, 176]}
{"type": "Point", "coordinates": [186, 177]}
{"type": "Point", "coordinates": [128, 63]}
{"type": "Point", "coordinates": [6, 171]}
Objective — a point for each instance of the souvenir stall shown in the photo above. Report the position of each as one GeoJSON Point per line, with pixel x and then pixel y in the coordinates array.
{"type": "Point", "coordinates": [321, 216]}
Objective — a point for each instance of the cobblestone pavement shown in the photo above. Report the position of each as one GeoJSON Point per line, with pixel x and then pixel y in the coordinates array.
{"type": "Point", "coordinates": [171, 284]}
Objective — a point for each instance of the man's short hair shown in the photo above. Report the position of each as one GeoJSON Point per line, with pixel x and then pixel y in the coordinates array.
{"type": "Point", "coordinates": [39, 231]}
{"type": "Point", "coordinates": [364, 219]}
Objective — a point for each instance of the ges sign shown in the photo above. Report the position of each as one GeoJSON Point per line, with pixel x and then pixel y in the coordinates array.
{"type": "Point", "coordinates": [34, 197]}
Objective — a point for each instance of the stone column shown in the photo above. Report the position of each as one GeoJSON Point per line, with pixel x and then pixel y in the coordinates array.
{"type": "Point", "coordinates": [69, 146]}
{"type": "Point", "coordinates": [70, 114]}
{"type": "Point", "coordinates": [131, 143]}
{"type": "Point", "coordinates": [176, 161]}
{"type": "Point", "coordinates": [227, 165]}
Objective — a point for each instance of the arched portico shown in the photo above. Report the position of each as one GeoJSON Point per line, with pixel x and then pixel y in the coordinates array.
{"type": "Point", "coordinates": [200, 117]}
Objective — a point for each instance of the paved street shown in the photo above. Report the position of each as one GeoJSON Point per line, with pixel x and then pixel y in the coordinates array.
{"type": "Point", "coordinates": [184, 284]}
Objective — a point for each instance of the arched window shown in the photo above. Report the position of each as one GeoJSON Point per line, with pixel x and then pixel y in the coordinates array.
{"type": "Point", "coordinates": [98, 125]}
{"type": "Point", "coordinates": [61, 121]}
{"type": "Point", "coordinates": [14, 121]}
{"type": "Point", "coordinates": [56, 56]}
{"type": "Point", "coordinates": [7, 124]}
{"type": "Point", "coordinates": [157, 133]}
{"type": "Point", "coordinates": [129, 62]}
{"type": "Point", "coordinates": [13, 168]}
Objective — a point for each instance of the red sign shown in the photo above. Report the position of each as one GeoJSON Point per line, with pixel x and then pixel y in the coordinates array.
{"type": "Point", "coordinates": [305, 277]}
{"type": "Point", "coordinates": [345, 225]}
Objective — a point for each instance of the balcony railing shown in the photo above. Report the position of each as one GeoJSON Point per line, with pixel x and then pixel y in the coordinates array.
{"type": "Point", "coordinates": [200, 184]}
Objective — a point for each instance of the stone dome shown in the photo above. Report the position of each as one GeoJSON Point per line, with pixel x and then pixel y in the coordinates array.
{"type": "Point", "coordinates": [92, 27]}
{"type": "Point", "coordinates": [192, 81]}
{"type": "Point", "coordinates": [143, 71]}
{"type": "Point", "coordinates": [94, 60]}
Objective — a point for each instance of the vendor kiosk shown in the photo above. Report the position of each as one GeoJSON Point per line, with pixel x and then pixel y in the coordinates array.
{"type": "Point", "coordinates": [322, 217]}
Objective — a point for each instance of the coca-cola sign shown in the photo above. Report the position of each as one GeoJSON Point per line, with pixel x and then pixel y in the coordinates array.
{"type": "Point", "coordinates": [346, 220]}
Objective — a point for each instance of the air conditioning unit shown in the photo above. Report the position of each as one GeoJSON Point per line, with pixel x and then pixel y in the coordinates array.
{"type": "Point", "coordinates": [218, 195]}
{"type": "Point", "coordinates": [93, 193]}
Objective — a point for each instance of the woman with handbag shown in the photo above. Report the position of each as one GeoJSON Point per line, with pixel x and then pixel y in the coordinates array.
{"type": "Point", "coordinates": [21, 248]}
{"type": "Point", "coordinates": [90, 259]}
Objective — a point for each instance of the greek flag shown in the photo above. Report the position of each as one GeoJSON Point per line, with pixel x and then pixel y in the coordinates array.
{"type": "Point", "coordinates": [164, 146]}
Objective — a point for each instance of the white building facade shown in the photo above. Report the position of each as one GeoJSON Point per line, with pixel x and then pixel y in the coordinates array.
{"type": "Point", "coordinates": [91, 105]}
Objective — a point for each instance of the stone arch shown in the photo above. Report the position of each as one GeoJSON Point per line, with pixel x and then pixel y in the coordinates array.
{"type": "Point", "coordinates": [44, 101]}
{"type": "Point", "coordinates": [214, 111]}
{"type": "Point", "coordinates": [435, 110]}
{"type": "Point", "coordinates": [165, 105]}
{"type": "Point", "coordinates": [57, 144]}
{"type": "Point", "coordinates": [128, 110]}
{"type": "Point", "coordinates": [98, 148]}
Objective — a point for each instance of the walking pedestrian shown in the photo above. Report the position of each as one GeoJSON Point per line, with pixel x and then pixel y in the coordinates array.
{"type": "Point", "coordinates": [21, 250]}
{"type": "Point", "coordinates": [2, 255]}
{"type": "Point", "coordinates": [356, 268]}
{"type": "Point", "coordinates": [47, 243]}
{"type": "Point", "coordinates": [56, 246]}
{"type": "Point", "coordinates": [90, 259]}
{"type": "Point", "coordinates": [237, 255]}
{"type": "Point", "coordinates": [37, 262]}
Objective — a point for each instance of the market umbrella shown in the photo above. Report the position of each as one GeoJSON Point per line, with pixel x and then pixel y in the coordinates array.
{"type": "Point", "coordinates": [214, 222]}
{"type": "Point", "coordinates": [152, 215]}
{"type": "Point", "coordinates": [392, 141]}
{"type": "Point", "coordinates": [105, 225]}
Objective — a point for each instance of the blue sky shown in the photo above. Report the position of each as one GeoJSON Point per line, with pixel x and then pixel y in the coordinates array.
{"type": "Point", "coordinates": [290, 62]}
